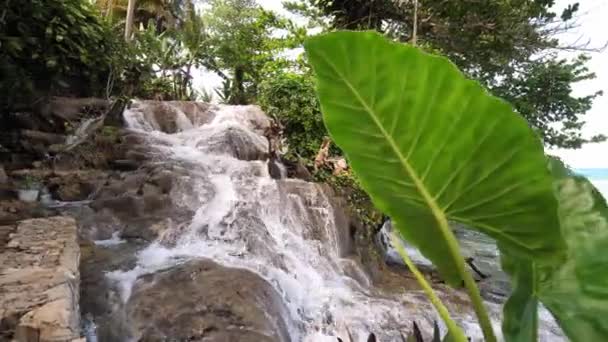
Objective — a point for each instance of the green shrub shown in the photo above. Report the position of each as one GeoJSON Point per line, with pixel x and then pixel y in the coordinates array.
{"type": "Point", "coordinates": [290, 97]}
{"type": "Point", "coordinates": [52, 47]}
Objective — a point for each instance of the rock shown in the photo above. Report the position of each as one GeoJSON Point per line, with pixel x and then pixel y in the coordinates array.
{"type": "Point", "coordinates": [199, 113]}
{"type": "Point", "coordinates": [164, 180]}
{"type": "Point", "coordinates": [3, 176]}
{"type": "Point", "coordinates": [238, 142]}
{"type": "Point", "coordinates": [114, 114]}
{"type": "Point", "coordinates": [275, 169]}
{"type": "Point", "coordinates": [125, 207]}
{"type": "Point", "coordinates": [136, 156]}
{"type": "Point", "coordinates": [125, 165]}
{"type": "Point", "coordinates": [156, 203]}
{"type": "Point", "coordinates": [55, 149]}
{"type": "Point", "coordinates": [174, 116]}
{"type": "Point", "coordinates": [74, 192]}
{"type": "Point", "coordinates": [297, 170]}
{"type": "Point", "coordinates": [12, 210]}
{"type": "Point", "coordinates": [213, 303]}
{"type": "Point", "coordinates": [5, 232]}
{"type": "Point", "coordinates": [71, 109]}
{"type": "Point", "coordinates": [39, 281]}
{"type": "Point", "coordinates": [74, 185]}
{"type": "Point", "coordinates": [43, 137]}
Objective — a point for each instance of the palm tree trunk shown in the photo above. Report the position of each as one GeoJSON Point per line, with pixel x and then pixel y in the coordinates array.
{"type": "Point", "coordinates": [415, 28]}
{"type": "Point", "coordinates": [110, 4]}
{"type": "Point", "coordinates": [129, 22]}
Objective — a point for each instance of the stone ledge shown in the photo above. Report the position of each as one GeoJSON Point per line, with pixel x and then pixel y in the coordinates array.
{"type": "Point", "coordinates": [39, 282]}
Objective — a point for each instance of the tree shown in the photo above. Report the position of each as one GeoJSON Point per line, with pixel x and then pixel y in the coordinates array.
{"type": "Point", "coordinates": [509, 46]}
{"type": "Point", "coordinates": [239, 44]}
{"type": "Point", "coordinates": [129, 21]}
{"type": "Point", "coordinates": [52, 47]}
{"type": "Point", "coordinates": [162, 13]}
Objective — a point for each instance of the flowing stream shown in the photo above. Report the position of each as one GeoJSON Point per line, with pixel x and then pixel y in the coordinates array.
{"type": "Point", "coordinates": [284, 230]}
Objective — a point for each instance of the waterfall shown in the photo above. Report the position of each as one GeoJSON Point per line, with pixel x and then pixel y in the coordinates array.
{"type": "Point", "coordinates": [282, 229]}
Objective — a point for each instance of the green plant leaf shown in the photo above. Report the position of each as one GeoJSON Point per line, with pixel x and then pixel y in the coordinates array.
{"type": "Point", "coordinates": [430, 146]}
{"type": "Point", "coordinates": [520, 312]}
{"type": "Point", "coordinates": [576, 293]}
{"type": "Point", "coordinates": [576, 290]}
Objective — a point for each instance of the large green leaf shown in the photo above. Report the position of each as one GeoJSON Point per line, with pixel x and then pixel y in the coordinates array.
{"type": "Point", "coordinates": [429, 146]}
{"type": "Point", "coordinates": [576, 290]}
{"type": "Point", "coordinates": [576, 293]}
{"type": "Point", "coordinates": [520, 318]}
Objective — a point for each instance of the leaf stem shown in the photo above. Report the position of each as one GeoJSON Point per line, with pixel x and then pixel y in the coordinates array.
{"type": "Point", "coordinates": [455, 331]}
{"type": "Point", "coordinates": [469, 282]}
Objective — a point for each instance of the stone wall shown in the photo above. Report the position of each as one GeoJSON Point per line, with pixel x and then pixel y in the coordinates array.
{"type": "Point", "coordinates": [39, 281]}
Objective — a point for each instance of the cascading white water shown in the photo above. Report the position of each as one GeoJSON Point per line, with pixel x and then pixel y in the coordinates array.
{"type": "Point", "coordinates": [283, 230]}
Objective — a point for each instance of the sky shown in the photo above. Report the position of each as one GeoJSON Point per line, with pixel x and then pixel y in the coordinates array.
{"type": "Point", "coordinates": [594, 25]}
{"type": "Point", "coordinates": [593, 22]}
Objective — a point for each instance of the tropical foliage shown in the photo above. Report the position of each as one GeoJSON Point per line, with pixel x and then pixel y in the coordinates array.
{"type": "Point", "coordinates": [509, 46]}
{"type": "Point", "coordinates": [240, 44]}
{"type": "Point", "coordinates": [430, 147]}
{"type": "Point", "coordinates": [161, 14]}
{"type": "Point", "coordinates": [52, 46]}
{"type": "Point", "coordinates": [290, 97]}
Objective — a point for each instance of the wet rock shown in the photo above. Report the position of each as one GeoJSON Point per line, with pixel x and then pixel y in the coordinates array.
{"type": "Point", "coordinates": [199, 113]}
{"type": "Point", "coordinates": [174, 116]}
{"type": "Point", "coordinates": [297, 170]}
{"type": "Point", "coordinates": [39, 281]}
{"type": "Point", "coordinates": [136, 156]}
{"type": "Point", "coordinates": [3, 176]}
{"type": "Point", "coordinates": [43, 137]}
{"type": "Point", "coordinates": [74, 186]}
{"type": "Point", "coordinates": [124, 207]}
{"type": "Point", "coordinates": [308, 201]}
{"type": "Point", "coordinates": [155, 203]}
{"type": "Point", "coordinates": [275, 169]}
{"type": "Point", "coordinates": [213, 303]}
{"type": "Point", "coordinates": [132, 182]}
{"type": "Point", "coordinates": [238, 142]}
{"type": "Point", "coordinates": [254, 118]}
{"type": "Point", "coordinates": [163, 179]}
{"type": "Point", "coordinates": [95, 225]}
{"type": "Point", "coordinates": [125, 165]}
{"type": "Point", "coordinates": [100, 297]}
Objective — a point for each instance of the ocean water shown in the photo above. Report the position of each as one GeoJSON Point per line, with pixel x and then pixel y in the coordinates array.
{"type": "Point", "coordinates": [599, 177]}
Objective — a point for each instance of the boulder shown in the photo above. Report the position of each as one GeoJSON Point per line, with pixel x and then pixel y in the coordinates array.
{"type": "Point", "coordinates": [238, 142]}
{"type": "Point", "coordinates": [74, 186]}
{"type": "Point", "coordinates": [123, 207]}
{"type": "Point", "coordinates": [72, 109]}
{"type": "Point", "coordinates": [163, 179]}
{"type": "Point", "coordinates": [174, 116]}
{"type": "Point", "coordinates": [297, 169]}
{"type": "Point", "coordinates": [213, 304]}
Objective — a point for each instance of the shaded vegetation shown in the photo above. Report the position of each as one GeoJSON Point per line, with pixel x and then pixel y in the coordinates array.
{"type": "Point", "coordinates": [52, 47]}
{"type": "Point", "coordinates": [510, 47]}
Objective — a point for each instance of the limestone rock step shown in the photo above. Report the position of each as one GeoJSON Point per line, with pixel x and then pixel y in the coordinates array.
{"type": "Point", "coordinates": [39, 281]}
